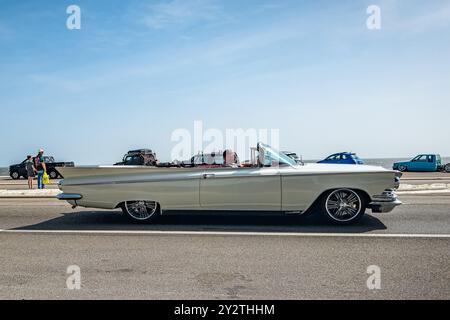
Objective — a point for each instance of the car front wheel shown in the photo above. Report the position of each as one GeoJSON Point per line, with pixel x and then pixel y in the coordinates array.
{"type": "Point", "coordinates": [141, 211]}
{"type": "Point", "coordinates": [402, 168]}
{"type": "Point", "coordinates": [15, 175]}
{"type": "Point", "coordinates": [343, 206]}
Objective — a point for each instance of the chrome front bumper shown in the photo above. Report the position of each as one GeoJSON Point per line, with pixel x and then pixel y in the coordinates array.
{"type": "Point", "coordinates": [384, 202]}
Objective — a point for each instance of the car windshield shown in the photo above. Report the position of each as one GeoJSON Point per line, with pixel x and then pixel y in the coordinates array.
{"type": "Point", "coordinates": [269, 157]}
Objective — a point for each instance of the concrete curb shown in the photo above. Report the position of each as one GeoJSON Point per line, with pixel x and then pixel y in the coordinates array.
{"type": "Point", "coordinates": [419, 192]}
{"type": "Point", "coordinates": [424, 187]}
{"type": "Point", "coordinates": [46, 193]}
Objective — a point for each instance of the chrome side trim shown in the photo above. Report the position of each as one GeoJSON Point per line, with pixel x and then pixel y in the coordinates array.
{"type": "Point", "coordinates": [174, 177]}
{"type": "Point", "coordinates": [69, 196]}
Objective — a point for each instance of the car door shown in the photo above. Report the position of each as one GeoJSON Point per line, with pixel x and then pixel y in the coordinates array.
{"type": "Point", "coordinates": [22, 168]}
{"type": "Point", "coordinates": [345, 159]}
{"type": "Point", "coordinates": [430, 165]}
{"type": "Point", "coordinates": [420, 163]}
{"type": "Point", "coordinates": [241, 189]}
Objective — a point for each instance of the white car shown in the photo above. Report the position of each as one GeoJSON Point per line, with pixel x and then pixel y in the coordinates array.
{"type": "Point", "coordinates": [270, 182]}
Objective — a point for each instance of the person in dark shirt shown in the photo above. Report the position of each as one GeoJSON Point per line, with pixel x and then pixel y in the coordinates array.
{"type": "Point", "coordinates": [40, 168]}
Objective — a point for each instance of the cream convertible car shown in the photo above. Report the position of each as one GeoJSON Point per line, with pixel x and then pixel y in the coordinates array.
{"type": "Point", "coordinates": [270, 182]}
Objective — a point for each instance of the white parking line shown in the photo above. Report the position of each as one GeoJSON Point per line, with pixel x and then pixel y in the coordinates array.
{"type": "Point", "coordinates": [228, 233]}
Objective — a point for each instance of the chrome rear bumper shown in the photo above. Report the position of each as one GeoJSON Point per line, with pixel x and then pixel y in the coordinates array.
{"type": "Point", "coordinates": [384, 202]}
{"type": "Point", "coordinates": [69, 196]}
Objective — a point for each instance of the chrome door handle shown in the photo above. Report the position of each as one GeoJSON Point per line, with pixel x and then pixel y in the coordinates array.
{"type": "Point", "coordinates": [208, 175]}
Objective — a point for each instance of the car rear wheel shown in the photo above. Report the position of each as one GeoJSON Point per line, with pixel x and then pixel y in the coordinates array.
{"type": "Point", "coordinates": [447, 167]}
{"type": "Point", "coordinates": [343, 206]}
{"type": "Point", "coordinates": [53, 174]}
{"type": "Point", "coordinates": [15, 175]}
{"type": "Point", "coordinates": [141, 211]}
{"type": "Point", "coordinates": [402, 168]}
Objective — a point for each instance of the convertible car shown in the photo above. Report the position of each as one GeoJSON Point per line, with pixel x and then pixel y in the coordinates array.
{"type": "Point", "coordinates": [271, 181]}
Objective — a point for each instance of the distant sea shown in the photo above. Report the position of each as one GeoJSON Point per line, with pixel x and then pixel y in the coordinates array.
{"type": "Point", "coordinates": [385, 163]}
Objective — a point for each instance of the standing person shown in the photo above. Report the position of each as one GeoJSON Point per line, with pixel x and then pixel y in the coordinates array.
{"type": "Point", "coordinates": [29, 166]}
{"type": "Point", "coordinates": [40, 168]}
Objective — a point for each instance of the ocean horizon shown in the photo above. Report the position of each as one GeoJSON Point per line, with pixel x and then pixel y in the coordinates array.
{"type": "Point", "coordinates": [382, 162]}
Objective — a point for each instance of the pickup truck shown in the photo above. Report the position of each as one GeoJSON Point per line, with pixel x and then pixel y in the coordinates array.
{"type": "Point", "coordinates": [18, 170]}
{"type": "Point", "coordinates": [422, 162]}
{"type": "Point", "coordinates": [139, 157]}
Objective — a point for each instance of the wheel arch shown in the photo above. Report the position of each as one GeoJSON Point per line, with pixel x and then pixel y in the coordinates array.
{"type": "Point", "coordinates": [121, 203]}
{"type": "Point", "coordinates": [364, 194]}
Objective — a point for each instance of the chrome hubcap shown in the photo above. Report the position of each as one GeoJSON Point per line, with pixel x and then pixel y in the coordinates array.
{"type": "Point", "coordinates": [343, 205]}
{"type": "Point", "coordinates": [141, 210]}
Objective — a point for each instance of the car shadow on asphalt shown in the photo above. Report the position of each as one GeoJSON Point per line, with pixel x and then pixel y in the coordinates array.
{"type": "Point", "coordinates": [204, 221]}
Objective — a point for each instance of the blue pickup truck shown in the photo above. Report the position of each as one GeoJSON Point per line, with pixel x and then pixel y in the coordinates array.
{"type": "Point", "coordinates": [422, 162]}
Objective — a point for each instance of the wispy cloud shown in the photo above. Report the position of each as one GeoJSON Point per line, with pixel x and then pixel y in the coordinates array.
{"type": "Point", "coordinates": [5, 32]}
{"type": "Point", "coordinates": [438, 18]}
{"type": "Point", "coordinates": [179, 13]}
{"type": "Point", "coordinates": [402, 16]}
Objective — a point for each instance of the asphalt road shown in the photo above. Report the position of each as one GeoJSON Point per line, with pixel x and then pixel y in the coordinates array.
{"type": "Point", "coordinates": [186, 256]}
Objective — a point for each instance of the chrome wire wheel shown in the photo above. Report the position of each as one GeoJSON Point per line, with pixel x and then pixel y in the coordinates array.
{"type": "Point", "coordinates": [141, 210]}
{"type": "Point", "coordinates": [53, 174]}
{"type": "Point", "coordinates": [343, 205]}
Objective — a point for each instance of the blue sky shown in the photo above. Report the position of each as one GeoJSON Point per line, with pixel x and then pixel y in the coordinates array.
{"type": "Point", "coordinates": [138, 70]}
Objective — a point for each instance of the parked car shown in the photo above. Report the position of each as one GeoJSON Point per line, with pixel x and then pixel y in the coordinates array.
{"type": "Point", "coordinates": [274, 182]}
{"type": "Point", "coordinates": [293, 155]}
{"type": "Point", "coordinates": [343, 158]}
{"type": "Point", "coordinates": [18, 170]}
{"type": "Point", "coordinates": [139, 157]}
{"type": "Point", "coordinates": [422, 162]}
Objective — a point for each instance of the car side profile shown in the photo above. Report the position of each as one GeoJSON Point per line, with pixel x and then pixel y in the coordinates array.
{"type": "Point", "coordinates": [342, 158]}
{"type": "Point", "coordinates": [422, 163]}
{"type": "Point", "coordinates": [272, 182]}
